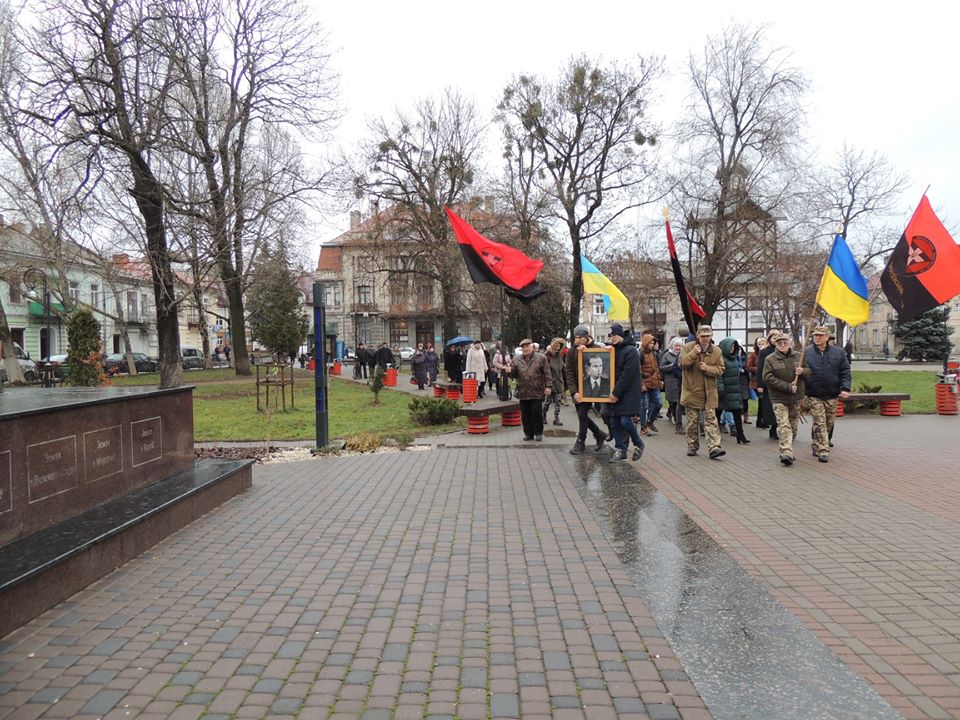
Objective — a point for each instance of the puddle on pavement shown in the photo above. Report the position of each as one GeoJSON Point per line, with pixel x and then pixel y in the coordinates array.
{"type": "Point", "coordinates": [747, 655]}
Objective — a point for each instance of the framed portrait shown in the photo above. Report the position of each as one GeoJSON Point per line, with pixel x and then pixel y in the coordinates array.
{"type": "Point", "coordinates": [595, 374]}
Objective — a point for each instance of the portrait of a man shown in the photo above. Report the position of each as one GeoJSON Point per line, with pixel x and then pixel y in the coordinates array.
{"type": "Point", "coordinates": [595, 374]}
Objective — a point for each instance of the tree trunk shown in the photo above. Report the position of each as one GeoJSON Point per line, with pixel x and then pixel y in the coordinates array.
{"type": "Point", "coordinates": [149, 198]}
{"type": "Point", "coordinates": [576, 282]}
{"type": "Point", "coordinates": [238, 330]}
{"type": "Point", "coordinates": [449, 299]}
{"type": "Point", "coordinates": [14, 373]}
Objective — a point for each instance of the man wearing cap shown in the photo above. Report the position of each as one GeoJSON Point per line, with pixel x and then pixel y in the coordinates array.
{"type": "Point", "coordinates": [627, 394]}
{"type": "Point", "coordinates": [532, 371]}
{"type": "Point", "coordinates": [827, 376]}
{"type": "Point", "coordinates": [783, 377]}
{"type": "Point", "coordinates": [701, 363]}
{"type": "Point", "coordinates": [582, 339]}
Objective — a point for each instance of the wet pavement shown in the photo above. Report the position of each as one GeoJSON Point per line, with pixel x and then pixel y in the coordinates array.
{"type": "Point", "coordinates": [485, 577]}
{"type": "Point", "coordinates": [745, 653]}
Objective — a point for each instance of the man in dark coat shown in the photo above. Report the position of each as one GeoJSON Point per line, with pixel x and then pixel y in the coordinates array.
{"type": "Point", "coordinates": [828, 377]}
{"type": "Point", "coordinates": [627, 394]}
{"type": "Point", "coordinates": [361, 361]}
{"type": "Point", "coordinates": [532, 371]}
{"type": "Point", "coordinates": [582, 339]}
{"type": "Point", "coordinates": [384, 356]}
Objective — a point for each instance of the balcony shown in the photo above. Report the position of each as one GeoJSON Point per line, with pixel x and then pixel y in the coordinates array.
{"type": "Point", "coordinates": [360, 308]}
{"type": "Point", "coordinates": [37, 311]}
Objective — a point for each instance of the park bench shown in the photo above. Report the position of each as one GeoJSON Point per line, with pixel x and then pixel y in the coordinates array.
{"type": "Point", "coordinates": [889, 402]}
{"type": "Point", "coordinates": [450, 390]}
{"type": "Point", "coordinates": [46, 567]}
{"type": "Point", "coordinates": [478, 418]}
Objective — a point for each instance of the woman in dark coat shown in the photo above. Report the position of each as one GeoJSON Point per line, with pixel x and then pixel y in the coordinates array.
{"type": "Point", "coordinates": [418, 365]}
{"type": "Point", "coordinates": [728, 386]}
{"type": "Point", "coordinates": [433, 363]}
{"type": "Point", "coordinates": [671, 380]}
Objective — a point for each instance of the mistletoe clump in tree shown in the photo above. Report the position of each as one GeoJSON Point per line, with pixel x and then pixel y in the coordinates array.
{"type": "Point", "coordinates": [277, 320]}
{"type": "Point", "coordinates": [86, 352]}
{"type": "Point", "coordinates": [925, 338]}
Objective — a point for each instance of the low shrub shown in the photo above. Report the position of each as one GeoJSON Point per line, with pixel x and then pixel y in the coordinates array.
{"type": "Point", "coordinates": [433, 411]}
{"type": "Point", "coordinates": [362, 442]}
{"type": "Point", "coordinates": [852, 406]}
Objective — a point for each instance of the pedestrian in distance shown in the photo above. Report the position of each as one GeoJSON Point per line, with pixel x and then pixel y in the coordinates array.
{"type": "Point", "coordinates": [650, 373]}
{"type": "Point", "coordinates": [783, 379]}
{"type": "Point", "coordinates": [766, 406]}
{"type": "Point", "coordinates": [500, 363]}
{"type": "Point", "coordinates": [670, 371]}
{"type": "Point", "coordinates": [532, 372]}
{"type": "Point", "coordinates": [555, 358]}
{"type": "Point", "coordinates": [702, 363]}
{"type": "Point", "coordinates": [627, 394]}
{"type": "Point", "coordinates": [582, 339]}
{"type": "Point", "coordinates": [730, 389]}
{"type": "Point", "coordinates": [476, 363]}
{"type": "Point", "coordinates": [827, 376]}
{"type": "Point", "coordinates": [432, 362]}
{"type": "Point", "coordinates": [752, 362]}
{"type": "Point", "coordinates": [418, 368]}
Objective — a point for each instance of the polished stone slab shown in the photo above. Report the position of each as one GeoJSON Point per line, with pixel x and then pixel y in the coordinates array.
{"type": "Point", "coordinates": [748, 656]}
{"type": "Point", "coordinates": [47, 566]}
{"type": "Point", "coordinates": [65, 450]}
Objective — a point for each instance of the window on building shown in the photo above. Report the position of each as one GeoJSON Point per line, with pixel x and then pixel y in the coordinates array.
{"type": "Point", "coordinates": [398, 292]}
{"type": "Point", "coordinates": [598, 307]}
{"type": "Point", "coordinates": [365, 294]}
{"type": "Point", "coordinates": [73, 288]}
{"type": "Point", "coordinates": [876, 336]}
{"type": "Point", "coordinates": [399, 333]}
{"type": "Point", "coordinates": [364, 333]}
{"type": "Point", "coordinates": [132, 313]}
{"type": "Point", "coordinates": [863, 336]}
{"type": "Point", "coordinates": [144, 305]}
{"type": "Point", "coordinates": [333, 295]}
{"type": "Point", "coordinates": [425, 294]}
{"type": "Point", "coordinates": [95, 296]}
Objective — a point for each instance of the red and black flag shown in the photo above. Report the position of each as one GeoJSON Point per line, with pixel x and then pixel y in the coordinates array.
{"type": "Point", "coordinates": [496, 263]}
{"type": "Point", "coordinates": [692, 312]}
{"type": "Point", "coordinates": [924, 269]}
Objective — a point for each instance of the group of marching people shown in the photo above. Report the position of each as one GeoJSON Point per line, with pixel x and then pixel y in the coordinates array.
{"type": "Point", "coordinates": [708, 386]}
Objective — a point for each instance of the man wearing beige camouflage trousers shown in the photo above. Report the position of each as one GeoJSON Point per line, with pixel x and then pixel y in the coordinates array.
{"type": "Point", "coordinates": [783, 378]}
{"type": "Point", "coordinates": [827, 376]}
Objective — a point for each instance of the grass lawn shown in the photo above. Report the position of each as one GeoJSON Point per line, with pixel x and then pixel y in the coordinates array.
{"type": "Point", "coordinates": [920, 385]}
{"type": "Point", "coordinates": [225, 408]}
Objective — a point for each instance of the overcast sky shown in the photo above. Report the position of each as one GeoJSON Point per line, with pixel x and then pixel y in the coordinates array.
{"type": "Point", "coordinates": [883, 76]}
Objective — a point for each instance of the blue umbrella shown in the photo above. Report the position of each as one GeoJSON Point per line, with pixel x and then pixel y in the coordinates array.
{"type": "Point", "coordinates": [460, 340]}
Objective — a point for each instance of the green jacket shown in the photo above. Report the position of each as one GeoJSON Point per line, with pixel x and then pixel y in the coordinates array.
{"type": "Point", "coordinates": [779, 372]}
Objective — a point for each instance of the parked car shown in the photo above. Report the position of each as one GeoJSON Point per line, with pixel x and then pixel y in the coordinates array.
{"type": "Point", "coordinates": [117, 363]}
{"type": "Point", "coordinates": [28, 366]}
{"type": "Point", "coordinates": [191, 358]}
{"type": "Point", "coordinates": [406, 353]}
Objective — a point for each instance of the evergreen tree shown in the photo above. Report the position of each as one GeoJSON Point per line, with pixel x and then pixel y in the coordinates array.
{"type": "Point", "coordinates": [277, 320]}
{"type": "Point", "coordinates": [541, 320]}
{"type": "Point", "coordinates": [86, 351]}
{"type": "Point", "coordinates": [927, 338]}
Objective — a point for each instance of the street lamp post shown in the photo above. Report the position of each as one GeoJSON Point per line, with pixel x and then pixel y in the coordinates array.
{"type": "Point", "coordinates": [30, 276]}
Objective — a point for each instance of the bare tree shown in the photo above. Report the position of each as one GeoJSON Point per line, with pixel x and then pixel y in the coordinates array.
{"type": "Point", "coordinates": [250, 69]}
{"type": "Point", "coordinates": [105, 84]}
{"type": "Point", "coordinates": [739, 169]}
{"type": "Point", "coordinates": [413, 166]}
{"type": "Point", "coordinates": [589, 128]}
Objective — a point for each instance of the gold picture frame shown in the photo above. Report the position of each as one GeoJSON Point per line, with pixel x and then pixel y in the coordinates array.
{"type": "Point", "coordinates": [590, 361]}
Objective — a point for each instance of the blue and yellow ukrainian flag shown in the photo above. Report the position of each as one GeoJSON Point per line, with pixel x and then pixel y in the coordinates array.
{"type": "Point", "coordinates": [614, 301]}
{"type": "Point", "coordinates": [843, 289]}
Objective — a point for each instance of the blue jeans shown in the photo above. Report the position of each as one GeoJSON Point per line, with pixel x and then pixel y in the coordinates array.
{"type": "Point", "coordinates": [624, 431]}
{"type": "Point", "coordinates": [653, 406]}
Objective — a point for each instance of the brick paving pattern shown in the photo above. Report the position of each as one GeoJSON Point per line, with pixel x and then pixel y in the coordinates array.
{"type": "Point", "coordinates": [465, 583]}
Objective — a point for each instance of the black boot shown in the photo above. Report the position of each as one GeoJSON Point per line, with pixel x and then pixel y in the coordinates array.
{"type": "Point", "coordinates": [601, 439]}
{"type": "Point", "coordinates": [578, 448]}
